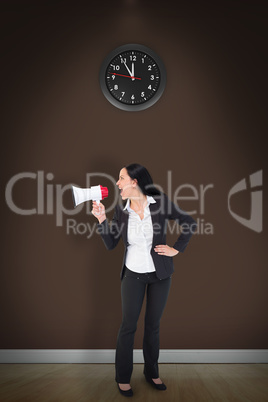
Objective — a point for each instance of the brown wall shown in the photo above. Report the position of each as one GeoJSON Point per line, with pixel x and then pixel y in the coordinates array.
{"type": "Point", "coordinates": [62, 290]}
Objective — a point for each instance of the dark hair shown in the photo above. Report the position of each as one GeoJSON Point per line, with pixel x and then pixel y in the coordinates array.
{"type": "Point", "coordinates": [144, 179]}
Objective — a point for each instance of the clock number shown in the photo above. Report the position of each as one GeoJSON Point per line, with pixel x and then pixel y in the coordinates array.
{"type": "Point", "coordinates": [142, 94]}
{"type": "Point", "coordinates": [132, 58]}
{"type": "Point", "coordinates": [116, 87]}
{"type": "Point", "coordinates": [123, 93]}
{"type": "Point", "coordinates": [123, 60]}
{"type": "Point", "coordinates": [132, 97]}
{"type": "Point", "coordinates": [149, 68]}
{"type": "Point", "coordinates": [150, 86]}
{"type": "Point", "coordinates": [152, 77]}
{"type": "Point", "coordinates": [115, 67]}
{"type": "Point", "coordinates": [113, 77]}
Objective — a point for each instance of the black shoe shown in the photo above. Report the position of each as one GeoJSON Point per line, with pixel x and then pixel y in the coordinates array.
{"type": "Point", "coordinates": [160, 387]}
{"type": "Point", "coordinates": [129, 392]}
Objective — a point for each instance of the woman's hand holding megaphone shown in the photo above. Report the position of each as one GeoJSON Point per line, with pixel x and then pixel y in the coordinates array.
{"type": "Point", "coordinates": [98, 211]}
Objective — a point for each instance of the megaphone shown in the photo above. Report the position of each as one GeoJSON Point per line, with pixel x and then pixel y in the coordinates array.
{"type": "Point", "coordinates": [94, 193]}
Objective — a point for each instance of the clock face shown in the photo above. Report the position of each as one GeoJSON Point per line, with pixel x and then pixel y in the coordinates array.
{"type": "Point", "coordinates": [132, 77]}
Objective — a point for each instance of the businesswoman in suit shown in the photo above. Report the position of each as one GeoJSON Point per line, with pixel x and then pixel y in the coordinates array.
{"type": "Point", "coordinates": [147, 265]}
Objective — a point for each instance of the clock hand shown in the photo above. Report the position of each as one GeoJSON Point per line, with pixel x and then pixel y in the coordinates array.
{"type": "Point", "coordinates": [132, 72]}
{"type": "Point", "coordinates": [121, 75]}
{"type": "Point", "coordinates": [128, 69]}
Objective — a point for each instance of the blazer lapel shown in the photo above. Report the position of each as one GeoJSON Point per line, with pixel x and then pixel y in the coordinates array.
{"type": "Point", "coordinates": [124, 223]}
{"type": "Point", "coordinates": [154, 209]}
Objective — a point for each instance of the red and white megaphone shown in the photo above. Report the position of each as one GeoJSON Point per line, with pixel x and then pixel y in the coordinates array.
{"type": "Point", "coordinates": [94, 193]}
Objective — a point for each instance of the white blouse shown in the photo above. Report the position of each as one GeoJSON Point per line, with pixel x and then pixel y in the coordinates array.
{"type": "Point", "coordinates": [140, 238]}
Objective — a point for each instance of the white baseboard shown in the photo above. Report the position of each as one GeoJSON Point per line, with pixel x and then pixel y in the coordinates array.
{"type": "Point", "coordinates": [108, 356]}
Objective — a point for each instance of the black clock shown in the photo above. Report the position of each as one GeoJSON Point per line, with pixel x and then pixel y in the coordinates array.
{"type": "Point", "coordinates": [132, 77]}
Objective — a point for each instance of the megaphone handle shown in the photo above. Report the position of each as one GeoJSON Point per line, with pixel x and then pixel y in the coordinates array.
{"type": "Point", "coordinates": [98, 203]}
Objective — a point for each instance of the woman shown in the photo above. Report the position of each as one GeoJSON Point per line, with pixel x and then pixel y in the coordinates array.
{"type": "Point", "coordinates": [147, 265]}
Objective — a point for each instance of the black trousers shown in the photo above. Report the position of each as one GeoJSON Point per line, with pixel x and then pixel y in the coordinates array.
{"type": "Point", "coordinates": [133, 289]}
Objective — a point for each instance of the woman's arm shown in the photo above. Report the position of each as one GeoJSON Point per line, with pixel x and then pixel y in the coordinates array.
{"type": "Point", "coordinates": [110, 233]}
{"type": "Point", "coordinates": [187, 225]}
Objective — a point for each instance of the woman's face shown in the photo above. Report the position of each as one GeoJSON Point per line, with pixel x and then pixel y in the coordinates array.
{"type": "Point", "coordinates": [125, 184]}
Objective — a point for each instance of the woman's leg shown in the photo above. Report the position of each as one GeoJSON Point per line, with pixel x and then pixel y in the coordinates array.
{"type": "Point", "coordinates": [157, 294]}
{"type": "Point", "coordinates": [132, 294]}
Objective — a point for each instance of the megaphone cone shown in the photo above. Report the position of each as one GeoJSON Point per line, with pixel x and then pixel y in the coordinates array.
{"type": "Point", "coordinates": [94, 193]}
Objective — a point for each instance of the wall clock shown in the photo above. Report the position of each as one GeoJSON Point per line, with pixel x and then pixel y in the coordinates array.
{"type": "Point", "coordinates": [132, 77]}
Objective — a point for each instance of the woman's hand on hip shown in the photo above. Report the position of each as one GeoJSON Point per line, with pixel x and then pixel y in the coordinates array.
{"type": "Point", "coordinates": [164, 249]}
{"type": "Point", "coordinates": [98, 210]}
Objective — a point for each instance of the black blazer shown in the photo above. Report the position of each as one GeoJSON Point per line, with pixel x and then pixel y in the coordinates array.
{"type": "Point", "coordinates": [161, 212]}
